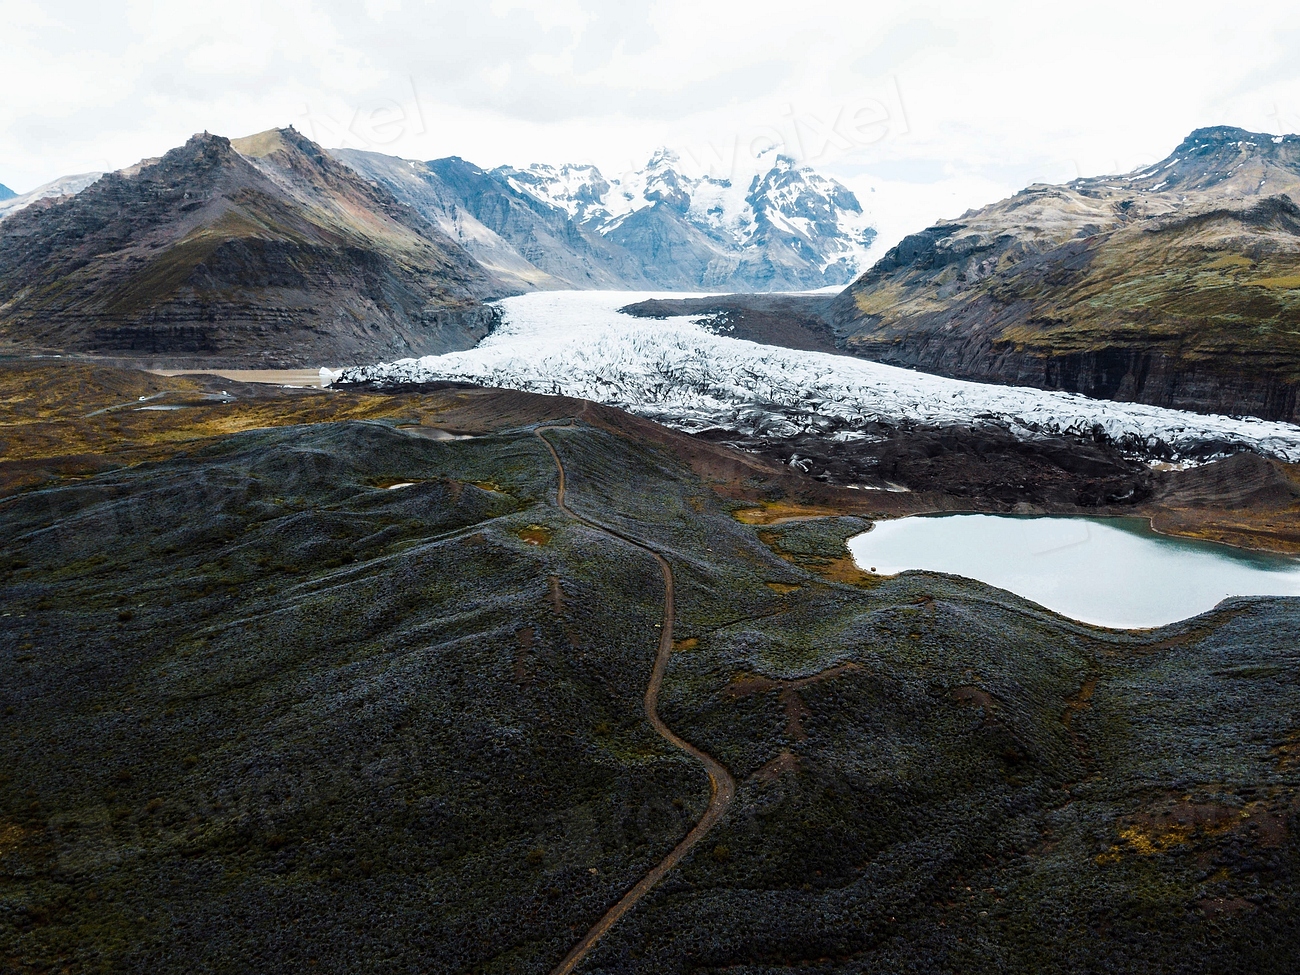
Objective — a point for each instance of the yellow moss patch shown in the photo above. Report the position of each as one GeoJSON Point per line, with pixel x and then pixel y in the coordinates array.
{"type": "Point", "coordinates": [1286, 283]}
{"type": "Point", "coordinates": [839, 568]}
{"type": "Point", "coordinates": [844, 569]}
{"type": "Point", "coordinates": [1151, 840]}
{"type": "Point", "coordinates": [1288, 753]}
{"type": "Point", "coordinates": [11, 835]}
{"type": "Point", "coordinates": [783, 588]}
{"type": "Point", "coordinates": [1229, 260]}
{"type": "Point", "coordinates": [535, 534]}
{"type": "Point", "coordinates": [1184, 823]}
{"type": "Point", "coordinates": [690, 643]}
{"type": "Point", "coordinates": [775, 512]}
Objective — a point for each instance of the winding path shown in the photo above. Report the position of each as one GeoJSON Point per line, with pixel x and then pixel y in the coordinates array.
{"type": "Point", "coordinates": [724, 786]}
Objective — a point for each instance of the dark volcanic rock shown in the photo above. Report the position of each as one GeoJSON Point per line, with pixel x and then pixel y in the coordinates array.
{"type": "Point", "coordinates": [264, 251]}
{"type": "Point", "coordinates": [258, 713]}
{"type": "Point", "coordinates": [789, 321]}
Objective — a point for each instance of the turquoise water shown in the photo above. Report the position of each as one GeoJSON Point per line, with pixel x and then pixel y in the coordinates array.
{"type": "Point", "coordinates": [1109, 571]}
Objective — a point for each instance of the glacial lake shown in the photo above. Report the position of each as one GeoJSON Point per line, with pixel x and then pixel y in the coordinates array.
{"type": "Point", "coordinates": [1113, 572]}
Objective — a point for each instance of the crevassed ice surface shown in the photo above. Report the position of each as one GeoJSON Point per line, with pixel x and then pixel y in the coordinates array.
{"type": "Point", "coordinates": [577, 343]}
{"type": "Point", "coordinates": [1112, 572]}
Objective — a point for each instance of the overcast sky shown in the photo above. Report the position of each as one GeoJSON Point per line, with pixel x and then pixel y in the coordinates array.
{"type": "Point", "coordinates": [937, 106]}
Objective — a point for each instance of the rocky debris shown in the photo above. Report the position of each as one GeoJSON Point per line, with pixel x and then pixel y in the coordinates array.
{"type": "Point", "coordinates": [789, 321]}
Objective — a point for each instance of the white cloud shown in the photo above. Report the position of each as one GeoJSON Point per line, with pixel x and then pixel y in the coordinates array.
{"type": "Point", "coordinates": [910, 94]}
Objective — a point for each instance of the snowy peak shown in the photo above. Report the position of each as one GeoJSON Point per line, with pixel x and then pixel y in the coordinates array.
{"type": "Point", "coordinates": [660, 226]}
{"type": "Point", "coordinates": [785, 205]}
{"type": "Point", "coordinates": [665, 184]}
{"type": "Point", "coordinates": [781, 199]}
{"type": "Point", "coordinates": [575, 189]}
{"type": "Point", "coordinates": [822, 216]}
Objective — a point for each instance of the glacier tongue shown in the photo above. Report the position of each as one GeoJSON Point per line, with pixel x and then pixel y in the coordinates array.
{"type": "Point", "coordinates": [577, 343]}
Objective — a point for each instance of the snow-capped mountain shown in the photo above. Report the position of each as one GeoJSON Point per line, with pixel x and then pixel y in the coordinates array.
{"type": "Point", "coordinates": [63, 186]}
{"type": "Point", "coordinates": [679, 373]}
{"type": "Point", "coordinates": [784, 227]}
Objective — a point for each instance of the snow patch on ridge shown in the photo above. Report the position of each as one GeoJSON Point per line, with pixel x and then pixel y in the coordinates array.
{"type": "Point", "coordinates": [576, 343]}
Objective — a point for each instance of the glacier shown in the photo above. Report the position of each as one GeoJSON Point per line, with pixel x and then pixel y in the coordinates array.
{"type": "Point", "coordinates": [677, 372]}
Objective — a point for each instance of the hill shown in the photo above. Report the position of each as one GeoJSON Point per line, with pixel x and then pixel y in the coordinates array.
{"type": "Point", "coordinates": [6, 193]}
{"type": "Point", "coordinates": [1176, 285]}
{"type": "Point", "coordinates": [260, 251]}
{"type": "Point", "coordinates": [335, 683]}
{"type": "Point", "coordinates": [567, 226]}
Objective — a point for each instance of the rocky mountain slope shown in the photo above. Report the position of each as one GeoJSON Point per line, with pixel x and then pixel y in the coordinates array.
{"type": "Point", "coordinates": [63, 186]}
{"type": "Point", "coordinates": [260, 251]}
{"type": "Point", "coordinates": [1176, 285]}
{"type": "Point", "coordinates": [568, 226]}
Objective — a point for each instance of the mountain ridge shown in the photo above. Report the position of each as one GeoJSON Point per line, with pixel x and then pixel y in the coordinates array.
{"type": "Point", "coordinates": [262, 250]}
{"type": "Point", "coordinates": [549, 226]}
{"type": "Point", "coordinates": [1174, 285]}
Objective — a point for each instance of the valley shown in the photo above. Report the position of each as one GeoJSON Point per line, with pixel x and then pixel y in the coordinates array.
{"type": "Point", "coordinates": [409, 566]}
{"type": "Point", "coordinates": [686, 375]}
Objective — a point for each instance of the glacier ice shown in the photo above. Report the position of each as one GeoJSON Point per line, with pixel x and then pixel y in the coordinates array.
{"type": "Point", "coordinates": [577, 343]}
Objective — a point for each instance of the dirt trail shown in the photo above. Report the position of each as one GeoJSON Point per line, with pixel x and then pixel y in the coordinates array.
{"type": "Point", "coordinates": [724, 786]}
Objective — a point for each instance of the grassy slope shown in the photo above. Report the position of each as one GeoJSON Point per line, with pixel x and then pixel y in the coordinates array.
{"type": "Point", "coordinates": [260, 712]}
{"type": "Point", "coordinates": [1188, 292]}
{"type": "Point", "coordinates": [1182, 291]}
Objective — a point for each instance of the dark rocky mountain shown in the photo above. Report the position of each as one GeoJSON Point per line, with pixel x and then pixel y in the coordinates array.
{"type": "Point", "coordinates": [260, 251]}
{"type": "Point", "coordinates": [1177, 285]}
{"type": "Point", "coordinates": [570, 227]}
{"type": "Point", "coordinates": [6, 193]}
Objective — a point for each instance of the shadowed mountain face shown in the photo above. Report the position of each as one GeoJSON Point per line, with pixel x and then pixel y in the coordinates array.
{"type": "Point", "coordinates": [6, 193]}
{"type": "Point", "coordinates": [1177, 285]}
{"type": "Point", "coordinates": [569, 227]}
{"type": "Point", "coordinates": [261, 251]}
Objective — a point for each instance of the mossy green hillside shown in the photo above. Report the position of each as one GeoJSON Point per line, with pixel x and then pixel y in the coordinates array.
{"type": "Point", "coordinates": [260, 710]}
